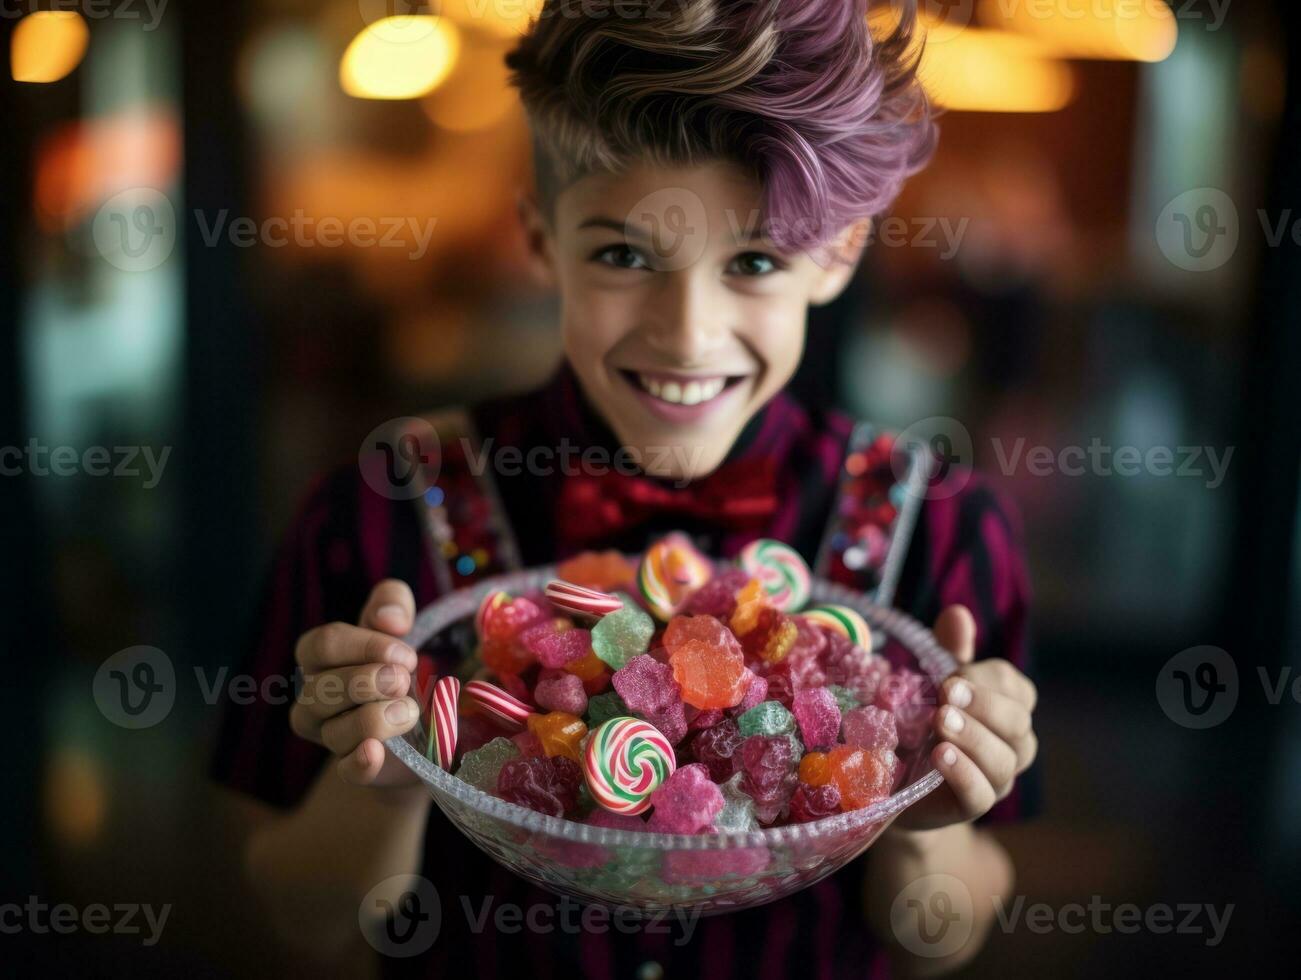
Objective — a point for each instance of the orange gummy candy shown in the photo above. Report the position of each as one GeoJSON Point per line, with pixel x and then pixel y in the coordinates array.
{"type": "Point", "coordinates": [750, 601]}
{"type": "Point", "coordinates": [559, 732]}
{"type": "Point", "coordinates": [710, 677]}
{"type": "Point", "coordinates": [772, 637]}
{"type": "Point", "coordinates": [862, 777]}
{"type": "Point", "coordinates": [592, 671]}
{"type": "Point", "coordinates": [604, 570]}
{"type": "Point", "coordinates": [815, 769]}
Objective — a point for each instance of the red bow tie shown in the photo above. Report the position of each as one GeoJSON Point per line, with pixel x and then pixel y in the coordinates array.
{"type": "Point", "coordinates": [737, 496]}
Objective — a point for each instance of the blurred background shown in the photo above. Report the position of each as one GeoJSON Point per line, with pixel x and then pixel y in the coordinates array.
{"type": "Point", "coordinates": [240, 235]}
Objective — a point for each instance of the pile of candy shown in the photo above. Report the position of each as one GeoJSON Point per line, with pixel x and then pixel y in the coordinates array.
{"type": "Point", "coordinates": [664, 696]}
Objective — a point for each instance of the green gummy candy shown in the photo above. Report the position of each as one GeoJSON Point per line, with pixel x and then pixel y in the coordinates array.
{"type": "Point", "coordinates": [603, 707]}
{"type": "Point", "coordinates": [738, 809]}
{"type": "Point", "coordinates": [619, 636]}
{"type": "Point", "coordinates": [766, 718]}
{"type": "Point", "coordinates": [845, 699]}
{"type": "Point", "coordinates": [481, 767]}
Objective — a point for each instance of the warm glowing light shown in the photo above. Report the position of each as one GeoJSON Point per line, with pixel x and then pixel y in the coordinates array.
{"type": "Point", "coordinates": [1087, 29]}
{"type": "Point", "coordinates": [75, 799]}
{"type": "Point", "coordinates": [399, 58]}
{"type": "Point", "coordinates": [977, 70]}
{"type": "Point", "coordinates": [47, 45]}
{"type": "Point", "coordinates": [477, 95]}
{"type": "Point", "coordinates": [994, 71]}
{"type": "Point", "coordinates": [505, 18]}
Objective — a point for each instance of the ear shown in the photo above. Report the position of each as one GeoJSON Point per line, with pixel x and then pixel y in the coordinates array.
{"type": "Point", "coordinates": [537, 240]}
{"type": "Point", "coordinates": [840, 262]}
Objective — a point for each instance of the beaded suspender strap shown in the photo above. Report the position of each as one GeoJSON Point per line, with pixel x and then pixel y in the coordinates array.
{"type": "Point", "coordinates": [467, 532]}
{"type": "Point", "coordinates": [878, 499]}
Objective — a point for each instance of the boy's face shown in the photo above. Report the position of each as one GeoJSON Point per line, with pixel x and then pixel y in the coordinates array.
{"type": "Point", "coordinates": [679, 321]}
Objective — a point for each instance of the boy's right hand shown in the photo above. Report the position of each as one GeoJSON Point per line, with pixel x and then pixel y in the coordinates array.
{"type": "Point", "coordinates": [355, 684]}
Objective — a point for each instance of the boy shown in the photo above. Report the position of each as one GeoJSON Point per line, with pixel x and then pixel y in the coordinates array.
{"type": "Point", "coordinates": [706, 171]}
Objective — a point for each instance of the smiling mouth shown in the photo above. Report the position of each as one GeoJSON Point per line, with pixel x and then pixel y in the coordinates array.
{"type": "Point", "coordinates": [677, 389]}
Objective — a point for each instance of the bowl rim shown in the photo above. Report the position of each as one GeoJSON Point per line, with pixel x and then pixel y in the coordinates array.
{"type": "Point", "coordinates": [455, 606]}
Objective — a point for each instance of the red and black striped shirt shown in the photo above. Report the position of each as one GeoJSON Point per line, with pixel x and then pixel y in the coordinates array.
{"type": "Point", "coordinates": [965, 548]}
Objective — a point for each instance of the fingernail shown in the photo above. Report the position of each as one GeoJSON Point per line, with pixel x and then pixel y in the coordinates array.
{"type": "Point", "coordinates": [960, 694]}
{"type": "Point", "coordinates": [949, 756]}
{"type": "Point", "coordinates": [396, 615]}
{"type": "Point", "coordinates": [387, 680]}
{"type": "Point", "coordinates": [400, 653]}
{"type": "Point", "coordinates": [953, 719]}
{"type": "Point", "coordinates": [399, 712]}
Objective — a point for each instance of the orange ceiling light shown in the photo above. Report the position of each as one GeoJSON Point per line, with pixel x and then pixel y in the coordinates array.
{"type": "Point", "coordinates": [1113, 31]}
{"type": "Point", "coordinates": [47, 45]}
{"type": "Point", "coordinates": [403, 57]}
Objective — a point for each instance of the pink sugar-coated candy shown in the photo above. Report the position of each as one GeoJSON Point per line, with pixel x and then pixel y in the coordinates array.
{"type": "Point", "coordinates": [716, 749]}
{"type": "Point", "coordinates": [702, 867]}
{"type": "Point", "coordinates": [818, 716]}
{"type": "Point", "coordinates": [563, 648]}
{"type": "Point", "coordinates": [913, 723]}
{"type": "Point", "coordinates": [647, 686]}
{"type": "Point", "coordinates": [756, 693]}
{"type": "Point", "coordinates": [686, 802]}
{"type": "Point", "coordinates": [814, 802]}
{"type": "Point", "coordinates": [547, 784]}
{"type": "Point", "coordinates": [900, 774]}
{"type": "Point", "coordinates": [705, 719]}
{"type": "Point", "coordinates": [899, 688]}
{"type": "Point", "coordinates": [528, 744]}
{"type": "Point", "coordinates": [557, 690]}
{"type": "Point", "coordinates": [717, 597]}
{"type": "Point", "coordinates": [865, 685]}
{"type": "Point", "coordinates": [518, 687]}
{"type": "Point", "coordinates": [531, 637]}
{"type": "Point", "coordinates": [810, 639]}
{"type": "Point", "coordinates": [844, 659]}
{"type": "Point", "coordinates": [767, 763]}
{"type": "Point", "coordinates": [870, 727]}
{"type": "Point", "coordinates": [671, 721]}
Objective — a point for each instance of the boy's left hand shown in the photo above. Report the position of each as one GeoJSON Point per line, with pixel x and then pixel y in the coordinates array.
{"type": "Point", "coordinates": [984, 725]}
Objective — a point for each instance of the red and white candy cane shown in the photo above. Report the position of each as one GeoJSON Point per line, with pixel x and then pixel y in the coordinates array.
{"type": "Point", "coordinates": [443, 731]}
{"type": "Point", "coordinates": [498, 703]}
{"type": "Point", "coordinates": [576, 599]}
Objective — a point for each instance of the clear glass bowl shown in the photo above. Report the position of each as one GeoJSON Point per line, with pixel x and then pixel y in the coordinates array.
{"type": "Point", "coordinates": [708, 873]}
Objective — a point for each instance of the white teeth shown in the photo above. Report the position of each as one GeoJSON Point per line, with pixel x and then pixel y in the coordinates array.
{"type": "Point", "coordinates": [690, 393]}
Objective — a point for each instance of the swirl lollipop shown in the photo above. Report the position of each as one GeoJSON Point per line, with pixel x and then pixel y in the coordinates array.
{"type": "Point", "coordinates": [780, 570]}
{"type": "Point", "coordinates": [670, 571]}
{"type": "Point", "coordinates": [842, 620]}
{"type": "Point", "coordinates": [626, 759]}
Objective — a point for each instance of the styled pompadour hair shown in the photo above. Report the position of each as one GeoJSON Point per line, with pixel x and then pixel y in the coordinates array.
{"type": "Point", "coordinates": [830, 120]}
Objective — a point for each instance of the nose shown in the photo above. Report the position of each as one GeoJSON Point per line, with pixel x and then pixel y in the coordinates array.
{"type": "Point", "coordinates": [687, 319]}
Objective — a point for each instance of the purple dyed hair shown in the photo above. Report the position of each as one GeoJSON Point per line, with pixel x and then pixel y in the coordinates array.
{"type": "Point", "coordinates": [830, 120]}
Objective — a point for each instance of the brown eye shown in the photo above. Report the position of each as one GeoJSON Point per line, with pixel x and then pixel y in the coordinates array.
{"type": "Point", "coordinates": [753, 264]}
{"type": "Point", "coordinates": [621, 257]}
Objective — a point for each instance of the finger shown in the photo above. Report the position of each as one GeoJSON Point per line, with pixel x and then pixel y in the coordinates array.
{"type": "Point", "coordinates": [1004, 678]}
{"type": "Point", "coordinates": [1026, 748]}
{"type": "Point", "coordinates": [390, 609]}
{"type": "Point", "coordinates": [994, 756]}
{"type": "Point", "coordinates": [341, 645]}
{"type": "Point", "coordinates": [378, 719]}
{"type": "Point", "coordinates": [969, 785]}
{"type": "Point", "coordinates": [362, 765]}
{"type": "Point", "coordinates": [955, 629]}
{"type": "Point", "coordinates": [1005, 717]}
{"type": "Point", "coordinates": [330, 693]}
